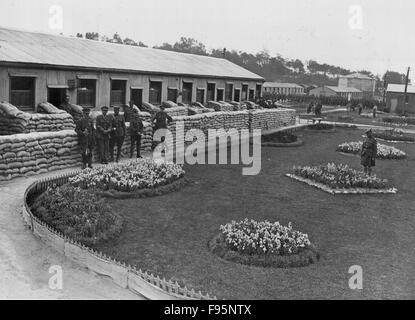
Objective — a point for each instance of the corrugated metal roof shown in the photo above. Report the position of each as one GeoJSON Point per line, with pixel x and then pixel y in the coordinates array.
{"type": "Point", "coordinates": [344, 89]}
{"type": "Point", "coordinates": [281, 85]}
{"type": "Point", "coordinates": [46, 49]}
{"type": "Point", "coordinates": [357, 75]}
{"type": "Point", "coordinates": [400, 88]}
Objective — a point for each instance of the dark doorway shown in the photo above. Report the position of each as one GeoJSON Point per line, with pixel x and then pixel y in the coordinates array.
{"type": "Point", "coordinates": [56, 96]}
{"type": "Point", "coordinates": [137, 97]}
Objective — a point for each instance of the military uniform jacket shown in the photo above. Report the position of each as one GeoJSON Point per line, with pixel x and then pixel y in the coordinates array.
{"type": "Point", "coordinates": [85, 131]}
{"type": "Point", "coordinates": [118, 126]}
{"type": "Point", "coordinates": [369, 148]}
{"type": "Point", "coordinates": [161, 118]}
{"type": "Point", "coordinates": [136, 125]}
{"type": "Point", "coordinates": [104, 123]}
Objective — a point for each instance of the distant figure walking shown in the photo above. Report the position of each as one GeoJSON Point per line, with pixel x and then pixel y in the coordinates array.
{"type": "Point", "coordinates": [318, 109]}
{"type": "Point", "coordinates": [310, 107]}
{"type": "Point", "coordinates": [368, 153]}
{"type": "Point", "coordinates": [375, 110]}
{"type": "Point", "coordinates": [360, 109]}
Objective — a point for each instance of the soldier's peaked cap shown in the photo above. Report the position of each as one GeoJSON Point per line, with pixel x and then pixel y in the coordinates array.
{"type": "Point", "coordinates": [116, 107]}
{"type": "Point", "coordinates": [85, 109]}
{"type": "Point", "coordinates": [104, 108]}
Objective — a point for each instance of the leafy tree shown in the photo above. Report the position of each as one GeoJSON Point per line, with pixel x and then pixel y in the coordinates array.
{"type": "Point", "coordinates": [79, 35]}
{"type": "Point", "coordinates": [394, 77]}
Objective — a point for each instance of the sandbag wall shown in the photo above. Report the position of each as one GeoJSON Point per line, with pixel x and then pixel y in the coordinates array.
{"type": "Point", "coordinates": [37, 152]}
{"type": "Point", "coordinates": [267, 119]}
{"type": "Point", "coordinates": [14, 121]}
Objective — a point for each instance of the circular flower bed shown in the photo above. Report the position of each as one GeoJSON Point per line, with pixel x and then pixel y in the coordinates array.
{"type": "Point", "coordinates": [132, 176]}
{"type": "Point", "coordinates": [263, 244]}
{"type": "Point", "coordinates": [383, 151]}
{"type": "Point", "coordinates": [79, 214]}
{"type": "Point", "coordinates": [281, 139]}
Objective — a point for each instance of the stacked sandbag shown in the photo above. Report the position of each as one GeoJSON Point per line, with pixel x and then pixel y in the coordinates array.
{"type": "Point", "coordinates": [40, 122]}
{"type": "Point", "coordinates": [201, 107]}
{"type": "Point", "coordinates": [177, 111]}
{"type": "Point", "coordinates": [225, 106]}
{"type": "Point", "coordinates": [148, 107]}
{"type": "Point", "coordinates": [214, 105]}
{"type": "Point", "coordinates": [266, 119]}
{"type": "Point", "coordinates": [12, 120]}
{"type": "Point", "coordinates": [169, 104]}
{"type": "Point", "coordinates": [36, 153]}
{"type": "Point", "coordinates": [46, 107]}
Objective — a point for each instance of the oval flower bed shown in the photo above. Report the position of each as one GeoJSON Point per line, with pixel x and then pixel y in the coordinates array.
{"type": "Point", "coordinates": [263, 244]}
{"type": "Point", "coordinates": [383, 151]}
{"type": "Point", "coordinates": [79, 214]}
{"type": "Point", "coordinates": [340, 178]}
{"type": "Point", "coordinates": [281, 139]}
{"type": "Point", "coordinates": [136, 178]}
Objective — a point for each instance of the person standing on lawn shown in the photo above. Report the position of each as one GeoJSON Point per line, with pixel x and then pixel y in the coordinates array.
{"type": "Point", "coordinates": [318, 109]}
{"type": "Point", "coordinates": [117, 134]}
{"type": "Point", "coordinates": [85, 131]}
{"type": "Point", "coordinates": [136, 130]}
{"type": "Point", "coordinates": [104, 128]}
{"type": "Point", "coordinates": [368, 153]}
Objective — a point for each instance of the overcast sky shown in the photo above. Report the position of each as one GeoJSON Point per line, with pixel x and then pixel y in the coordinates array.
{"type": "Point", "coordinates": [324, 30]}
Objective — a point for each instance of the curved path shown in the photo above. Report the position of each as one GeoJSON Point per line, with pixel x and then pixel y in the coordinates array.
{"type": "Point", "coordinates": [25, 260]}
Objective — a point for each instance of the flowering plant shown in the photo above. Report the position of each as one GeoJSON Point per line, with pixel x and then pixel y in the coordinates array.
{"type": "Point", "coordinates": [129, 176]}
{"type": "Point", "coordinates": [340, 176]}
{"type": "Point", "coordinates": [393, 135]}
{"type": "Point", "coordinates": [383, 151]}
{"type": "Point", "coordinates": [252, 237]}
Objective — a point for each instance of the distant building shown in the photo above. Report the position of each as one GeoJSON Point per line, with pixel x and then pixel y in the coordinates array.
{"type": "Point", "coordinates": [395, 98]}
{"type": "Point", "coordinates": [359, 81]}
{"type": "Point", "coordinates": [283, 88]}
{"type": "Point", "coordinates": [331, 91]}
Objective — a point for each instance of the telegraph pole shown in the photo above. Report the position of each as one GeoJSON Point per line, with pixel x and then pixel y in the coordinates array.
{"type": "Point", "coordinates": [405, 99]}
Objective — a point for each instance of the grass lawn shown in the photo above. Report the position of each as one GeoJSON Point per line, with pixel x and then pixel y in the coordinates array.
{"type": "Point", "coordinates": [168, 235]}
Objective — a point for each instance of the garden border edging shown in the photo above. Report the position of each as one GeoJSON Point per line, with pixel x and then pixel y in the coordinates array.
{"type": "Point", "coordinates": [126, 276]}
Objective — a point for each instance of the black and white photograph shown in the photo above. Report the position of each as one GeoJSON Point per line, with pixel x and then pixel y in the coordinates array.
{"type": "Point", "coordinates": [199, 152]}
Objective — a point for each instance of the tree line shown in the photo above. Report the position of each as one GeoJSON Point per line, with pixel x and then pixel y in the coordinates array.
{"type": "Point", "coordinates": [271, 68]}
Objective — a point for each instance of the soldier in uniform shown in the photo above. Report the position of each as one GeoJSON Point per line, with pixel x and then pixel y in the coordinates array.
{"type": "Point", "coordinates": [117, 134]}
{"type": "Point", "coordinates": [104, 125]}
{"type": "Point", "coordinates": [136, 130]}
{"type": "Point", "coordinates": [161, 120]}
{"type": "Point", "coordinates": [85, 131]}
{"type": "Point", "coordinates": [368, 153]}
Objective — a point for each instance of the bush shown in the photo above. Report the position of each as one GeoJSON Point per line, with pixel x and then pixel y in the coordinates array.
{"type": "Point", "coordinates": [340, 176]}
{"type": "Point", "coordinates": [78, 214]}
{"type": "Point", "coordinates": [280, 137]}
{"type": "Point", "coordinates": [321, 126]}
{"type": "Point", "coordinates": [130, 176]}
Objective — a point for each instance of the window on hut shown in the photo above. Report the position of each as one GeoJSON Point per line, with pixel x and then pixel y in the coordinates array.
{"type": "Point", "coordinates": [117, 96]}
{"type": "Point", "coordinates": [211, 92]}
{"type": "Point", "coordinates": [86, 92]}
{"type": "Point", "coordinates": [155, 92]}
{"type": "Point", "coordinates": [187, 92]}
{"type": "Point", "coordinates": [219, 95]}
{"type": "Point", "coordinates": [22, 92]}
{"type": "Point", "coordinates": [200, 95]}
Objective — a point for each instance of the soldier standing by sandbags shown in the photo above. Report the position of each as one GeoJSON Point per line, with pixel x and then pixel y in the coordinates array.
{"type": "Point", "coordinates": [161, 120]}
{"type": "Point", "coordinates": [85, 131]}
{"type": "Point", "coordinates": [117, 134]}
{"type": "Point", "coordinates": [104, 124]}
{"type": "Point", "coordinates": [136, 130]}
